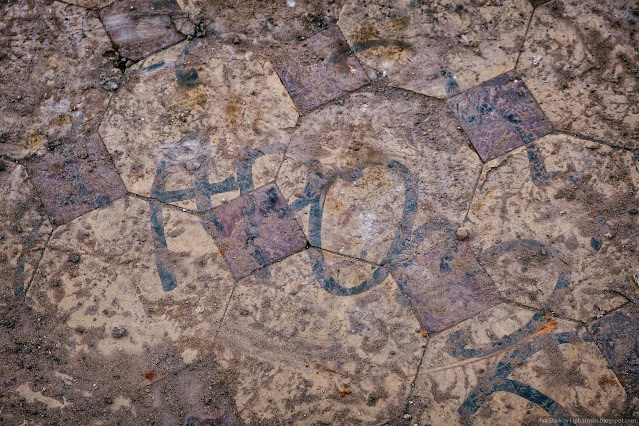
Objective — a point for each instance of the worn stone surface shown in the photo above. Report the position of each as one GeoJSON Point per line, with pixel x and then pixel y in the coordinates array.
{"type": "Point", "coordinates": [307, 355]}
{"type": "Point", "coordinates": [374, 184]}
{"type": "Point", "coordinates": [321, 69]}
{"type": "Point", "coordinates": [552, 227]}
{"type": "Point", "coordinates": [616, 336]}
{"type": "Point", "coordinates": [445, 285]}
{"type": "Point", "coordinates": [139, 28]}
{"type": "Point", "coordinates": [255, 230]}
{"type": "Point", "coordinates": [581, 63]}
{"type": "Point", "coordinates": [152, 270]}
{"type": "Point", "coordinates": [436, 48]}
{"type": "Point", "coordinates": [52, 73]}
{"type": "Point", "coordinates": [513, 365]}
{"type": "Point", "coordinates": [199, 123]}
{"type": "Point", "coordinates": [75, 177]}
{"type": "Point", "coordinates": [24, 230]}
{"type": "Point", "coordinates": [499, 116]}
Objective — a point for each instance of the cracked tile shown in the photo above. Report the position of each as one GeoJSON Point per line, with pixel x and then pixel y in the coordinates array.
{"type": "Point", "coordinates": [52, 73]}
{"type": "Point", "coordinates": [552, 224]}
{"type": "Point", "coordinates": [74, 178]}
{"type": "Point", "coordinates": [445, 285]}
{"type": "Point", "coordinates": [616, 336]}
{"type": "Point", "coordinates": [320, 69]}
{"type": "Point", "coordinates": [436, 48]}
{"type": "Point", "coordinates": [499, 116]}
{"type": "Point", "coordinates": [198, 124]}
{"type": "Point", "coordinates": [580, 62]}
{"type": "Point", "coordinates": [255, 230]}
{"type": "Point", "coordinates": [510, 365]}
{"type": "Point", "coordinates": [134, 278]}
{"type": "Point", "coordinates": [139, 29]}
{"type": "Point", "coordinates": [24, 230]}
{"type": "Point", "coordinates": [378, 185]}
{"type": "Point", "coordinates": [302, 354]}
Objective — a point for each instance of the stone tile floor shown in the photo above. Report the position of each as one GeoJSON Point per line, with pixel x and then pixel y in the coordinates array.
{"type": "Point", "coordinates": [319, 212]}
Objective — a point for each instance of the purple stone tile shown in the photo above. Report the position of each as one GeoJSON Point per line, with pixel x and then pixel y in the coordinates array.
{"type": "Point", "coordinates": [255, 230]}
{"type": "Point", "coordinates": [499, 116]}
{"type": "Point", "coordinates": [617, 335]}
{"type": "Point", "coordinates": [320, 69]}
{"type": "Point", "coordinates": [446, 285]}
{"type": "Point", "coordinates": [74, 177]}
{"type": "Point", "coordinates": [141, 28]}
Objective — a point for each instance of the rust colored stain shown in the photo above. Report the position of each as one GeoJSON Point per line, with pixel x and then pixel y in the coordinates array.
{"type": "Point", "coordinates": [150, 375]}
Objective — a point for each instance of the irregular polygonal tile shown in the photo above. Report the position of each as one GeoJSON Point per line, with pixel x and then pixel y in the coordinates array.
{"type": "Point", "coordinates": [437, 48]}
{"type": "Point", "coordinates": [616, 335]}
{"type": "Point", "coordinates": [445, 285]}
{"type": "Point", "coordinates": [24, 230]}
{"type": "Point", "coordinates": [198, 124]}
{"type": "Point", "coordinates": [580, 61]}
{"type": "Point", "coordinates": [305, 355]}
{"type": "Point", "coordinates": [255, 230]}
{"type": "Point", "coordinates": [136, 278]}
{"type": "Point", "coordinates": [75, 177]}
{"type": "Point", "coordinates": [552, 224]}
{"type": "Point", "coordinates": [139, 28]}
{"type": "Point", "coordinates": [499, 116]}
{"type": "Point", "coordinates": [378, 176]}
{"type": "Point", "coordinates": [269, 25]}
{"type": "Point", "coordinates": [52, 73]}
{"type": "Point", "coordinates": [510, 365]}
{"type": "Point", "coordinates": [320, 69]}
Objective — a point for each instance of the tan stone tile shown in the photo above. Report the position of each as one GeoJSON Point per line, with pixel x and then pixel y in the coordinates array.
{"type": "Point", "coordinates": [580, 62]}
{"type": "Point", "coordinates": [379, 175]}
{"type": "Point", "coordinates": [51, 74]}
{"type": "Point", "coordinates": [198, 123]}
{"type": "Point", "coordinates": [24, 230]}
{"type": "Point", "coordinates": [302, 354]}
{"type": "Point", "coordinates": [553, 226]}
{"type": "Point", "coordinates": [157, 274]}
{"type": "Point", "coordinates": [437, 48]}
{"type": "Point", "coordinates": [512, 365]}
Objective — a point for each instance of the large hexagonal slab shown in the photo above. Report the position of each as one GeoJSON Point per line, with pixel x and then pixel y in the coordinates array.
{"type": "Point", "coordinates": [199, 123]}
{"type": "Point", "coordinates": [134, 278]}
{"type": "Point", "coordinates": [437, 48]}
{"type": "Point", "coordinates": [24, 230]}
{"type": "Point", "coordinates": [513, 366]}
{"type": "Point", "coordinates": [304, 355]}
{"type": "Point", "coordinates": [564, 239]}
{"type": "Point", "coordinates": [52, 74]}
{"type": "Point", "coordinates": [378, 176]}
{"type": "Point", "coordinates": [580, 61]}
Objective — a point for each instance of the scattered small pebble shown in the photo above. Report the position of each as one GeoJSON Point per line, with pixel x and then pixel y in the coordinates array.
{"type": "Point", "coordinates": [118, 332]}
{"type": "Point", "coordinates": [74, 258]}
{"type": "Point", "coordinates": [462, 234]}
{"type": "Point", "coordinates": [631, 211]}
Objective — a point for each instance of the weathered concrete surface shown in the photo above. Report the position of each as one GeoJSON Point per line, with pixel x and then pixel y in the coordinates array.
{"type": "Point", "coordinates": [303, 355]}
{"type": "Point", "coordinates": [436, 48]}
{"type": "Point", "coordinates": [499, 116]}
{"type": "Point", "coordinates": [581, 63]}
{"type": "Point", "coordinates": [199, 123]}
{"type": "Point", "coordinates": [510, 365]}
{"type": "Point", "coordinates": [153, 271]}
{"type": "Point", "coordinates": [553, 225]}
{"type": "Point", "coordinates": [379, 176]}
{"type": "Point", "coordinates": [320, 69]}
{"type": "Point", "coordinates": [24, 230]}
{"type": "Point", "coordinates": [52, 75]}
{"type": "Point", "coordinates": [255, 230]}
